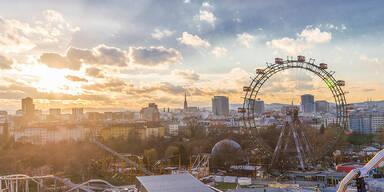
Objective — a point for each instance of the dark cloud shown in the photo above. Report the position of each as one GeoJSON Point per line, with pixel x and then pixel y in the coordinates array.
{"type": "Point", "coordinates": [176, 90]}
{"type": "Point", "coordinates": [75, 57]}
{"type": "Point", "coordinates": [76, 78]}
{"type": "Point", "coordinates": [155, 56]}
{"type": "Point", "coordinates": [187, 75]}
{"type": "Point", "coordinates": [111, 56]}
{"type": "Point", "coordinates": [369, 90]}
{"type": "Point", "coordinates": [94, 72]}
{"type": "Point", "coordinates": [58, 61]}
{"type": "Point", "coordinates": [113, 85]}
{"type": "Point", "coordinates": [5, 63]}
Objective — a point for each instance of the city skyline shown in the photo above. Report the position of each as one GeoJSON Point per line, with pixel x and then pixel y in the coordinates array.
{"type": "Point", "coordinates": [62, 55]}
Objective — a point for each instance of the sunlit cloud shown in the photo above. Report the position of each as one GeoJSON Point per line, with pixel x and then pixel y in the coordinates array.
{"type": "Point", "coordinates": [193, 40]}
{"type": "Point", "coordinates": [159, 34]}
{"type": "Point", "coordinates": [303, 43]}
{"type": "Point", "coordinates": [5, 62]}
{"type": "Point", "coordinates": [219, 51]}
{"type": "Point", "coordinates": [245, 39]}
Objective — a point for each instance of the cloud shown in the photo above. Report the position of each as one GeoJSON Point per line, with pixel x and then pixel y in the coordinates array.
{"type": "Point", "coordinates": [219, 51]}
{"type": "Point", "coordinates": [51, 33]}
{"type": "Point", "coordinates": [75, 57]}
{"type": "Point", "coordinates": [207, 16]}
{"type": "Point", "coordinates": [373, 63]}
{"type": "Point", "coordinates": [111, 56]}
{"type": "Point", "coordinates": [205, 13]}
{"type": "Point", "coordinates": [171, 90]}
{"type": "Point", "coordinates": [193, 40]}
{"type": "Point", "coordinates": [164, 87]}
{"type": "Point", "coordinates": [159, 34]}
{"type": "Point", "coordinates": [112, 85]}
{"type": "Point", "coordinates": [246, 39]}
{"type": "Point", "coordinates": [53, 16]}
{"type": "Point", "coordinates": [288, 45]}
{"type": "Point", "coordinates": [76, 78]}
{"type": "Point", "coordinates": [314, 35]}
{"type": "Point", "coordinates": [304, 41]}
{"type": "Point", "coordinates": [94, 72]}
{"type": "Point", "coordinates": [155, 56]}
{"type": "Point", "coordinates": [58, 61]}
{"type": "Point", "coordinates": [188, 76]}
{"type": "Point", "coordinates": [5, 62]}
{"type": "Point", "coordinates": [187, 1]}
{"type": "Point", "coordinates": [341, 28]}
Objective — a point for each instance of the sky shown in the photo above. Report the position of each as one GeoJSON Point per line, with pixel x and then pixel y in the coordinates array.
{"type": "Point", "coordinates": [124, 54]}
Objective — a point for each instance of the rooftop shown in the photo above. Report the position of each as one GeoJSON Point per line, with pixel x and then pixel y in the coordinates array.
{"type": "Point", "coordinates": [172, 183]}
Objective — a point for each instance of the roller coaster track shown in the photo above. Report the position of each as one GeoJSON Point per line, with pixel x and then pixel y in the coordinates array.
{"type": "Point", "coordinates": [20, 182]}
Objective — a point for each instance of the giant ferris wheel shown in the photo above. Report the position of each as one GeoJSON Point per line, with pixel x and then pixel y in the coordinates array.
{"type": "Point", "coordinates": [292, 133]}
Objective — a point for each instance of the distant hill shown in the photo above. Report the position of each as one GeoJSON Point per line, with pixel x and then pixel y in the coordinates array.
{"type": "Point", "coordinates": [379, 104]}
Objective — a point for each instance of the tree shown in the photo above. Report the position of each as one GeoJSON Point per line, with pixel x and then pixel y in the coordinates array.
{"type": "Point", "coordinates": [171, 151]}
{"type": "Point", "coordinates": [150, 154]}
{"type": "Point", "coordinates": [182, 153]}
{"type": "Point", "coordinates": [322, 129]}
{"type": "Point", "coordinates": [380, 136]}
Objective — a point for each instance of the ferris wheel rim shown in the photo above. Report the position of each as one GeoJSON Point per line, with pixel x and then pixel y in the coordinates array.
{"type": "Point", "coordinates": [265, 74]}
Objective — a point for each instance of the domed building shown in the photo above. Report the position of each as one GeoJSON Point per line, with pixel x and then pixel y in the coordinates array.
{"type": "Point", "coordinates": [225, 146]}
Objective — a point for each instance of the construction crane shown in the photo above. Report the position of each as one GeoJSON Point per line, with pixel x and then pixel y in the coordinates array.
{"type": "Point", "coordinates": [120, 156]}
{"type": "Point", "coordinates": [359, 173]}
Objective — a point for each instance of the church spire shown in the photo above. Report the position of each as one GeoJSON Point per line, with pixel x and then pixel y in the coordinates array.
{"type": "Point", "coordinates": [185, 102]}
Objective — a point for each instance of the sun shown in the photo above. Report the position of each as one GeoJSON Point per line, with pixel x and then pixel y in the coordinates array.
{"type": "Point", "coordinates": [55, 81]}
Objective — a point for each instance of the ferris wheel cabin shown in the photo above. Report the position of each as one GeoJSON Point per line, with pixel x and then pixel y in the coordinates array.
{"type": "Point", "coordinates": [323, 66]}
{"type": "Point", "coordinates": [350, 107]}
{"type": "Point", "coordinates": [340, 83]}
{"type": "Point", "coordinates": [279, 61]}
{"type": "Point", "coordinates": [300, 58]}
{"type": "Point", "coordinates": [241, 110]}
{"type": "Point", "coordinates": [246, 88]}
{"type": "Point", "coordinates": [260, 71]}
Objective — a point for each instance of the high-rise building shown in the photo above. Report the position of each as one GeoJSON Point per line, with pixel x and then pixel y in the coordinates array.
{"type": "Point", "coordinates": [150, 113]}
{"type": "Point", "coordinates": [28, 108]}
{"type": "Point", "coordinates": [322, 106]}
{"type": "Point", "coordinates": [308, 103]}
{"type": "Point", "coordinates": [220, 105]}
{"type": "Point", "coordinates": [377, 121]}
{"type": "Point", "coordinates": [185, 102]}
{"type": "Point", "coordinates": [259, 107]}
{"type": "Point", "coordinates": [360, 123]}
{"type": "Point", "coordinates": [77, 113]}
{"type": "Point", "coordinates": [366, 122]}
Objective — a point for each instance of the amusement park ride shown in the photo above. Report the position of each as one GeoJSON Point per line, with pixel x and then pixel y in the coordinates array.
{"type": "Point", "coordinates": [293, 128]}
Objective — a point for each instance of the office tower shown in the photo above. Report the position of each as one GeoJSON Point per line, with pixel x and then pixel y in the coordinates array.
{"type": "Point", "coordinates": [308, 103]}
{"type": "Point", "coordinates": [28, 108]}
{"type": "Point", "coordinates": [150, 113]}
{"type": "Point", "coordinates": [220, 105]}
{"type": "Point", "coordinates": [322, 106]}
{"type": "Point", "coordinates": [259, 107]}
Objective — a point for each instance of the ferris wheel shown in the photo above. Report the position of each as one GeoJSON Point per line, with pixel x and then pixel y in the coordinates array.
{"type": "Point", "coordinates": [293, 136]}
